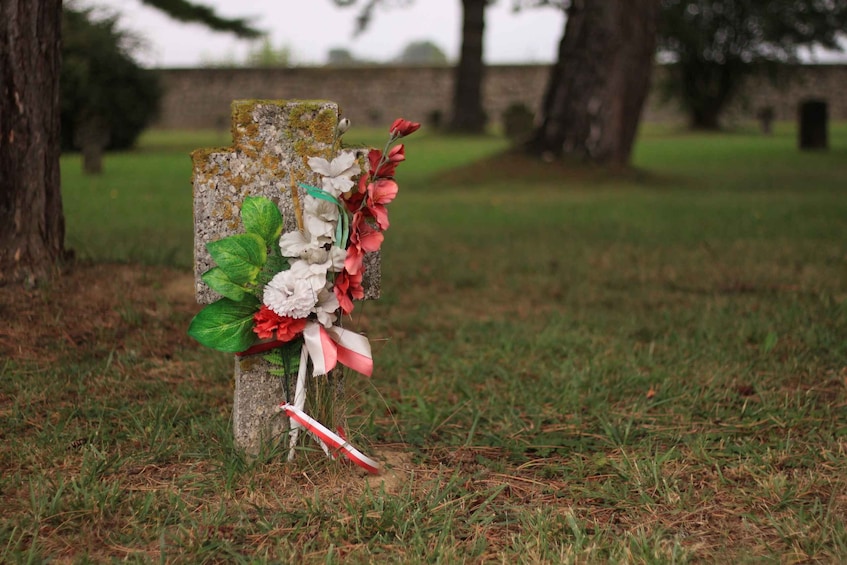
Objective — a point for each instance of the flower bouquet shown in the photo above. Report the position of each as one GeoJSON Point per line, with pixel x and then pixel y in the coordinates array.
{"type": "Point", "coordinates": [284, 295]}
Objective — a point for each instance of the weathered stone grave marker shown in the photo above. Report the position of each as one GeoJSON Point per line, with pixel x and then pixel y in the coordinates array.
{"type": "Point", "coordinates": [272, 142]}
{"type": "Point", "coordinates": [813, 128]}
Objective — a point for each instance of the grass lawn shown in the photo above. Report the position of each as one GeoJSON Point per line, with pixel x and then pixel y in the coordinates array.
{"type": "Point", "coordinates": [571, 366]}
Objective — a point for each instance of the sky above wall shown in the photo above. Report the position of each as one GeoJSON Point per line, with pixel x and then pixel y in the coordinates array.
{"type": "Point", "coordinates": [310, 28]}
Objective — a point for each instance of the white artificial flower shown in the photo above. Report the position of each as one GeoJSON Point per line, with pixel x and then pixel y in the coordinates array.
{"type": "Point", "coordinates": [320, 218]}
{"type": "Point", "coordinates": [337, 255]}
{"type": "Point", "coordinates": [326, 307]}
{"type": "Point", "coordinates": [315, 273]}
{"type": "Point", "coordinates": [323, 209]}
{"type": "Point", "coordinates": [294, 243]}
{"type": "Point", "coordinates": [295, 292]}
{"type": "Point", "coordinates": [315, 256]}
{"type": "Point", "coordinates": [289, 295]}
{"type": "Point", "coordinates": [320, 232]}
{"type": "Point", "coordinates": [337, 175]}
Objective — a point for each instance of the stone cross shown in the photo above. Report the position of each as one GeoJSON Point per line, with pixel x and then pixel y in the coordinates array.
{"type": "Point", "coordinates": [272, 142]}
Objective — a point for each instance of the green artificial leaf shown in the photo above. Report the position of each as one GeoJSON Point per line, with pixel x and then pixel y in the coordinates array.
{"type": "Point", "coordinates": [320, 193]}
{"type": "Point", "coordinates": [261, 217]}
{"type": "Point", "coordinates": [220, 283]}
{"type": "Point", "coordinates": [226, 325]}
{"type": "Point", "coordinates": [286, 357]}
{"type": "Point", "coordinates": [240, 257]}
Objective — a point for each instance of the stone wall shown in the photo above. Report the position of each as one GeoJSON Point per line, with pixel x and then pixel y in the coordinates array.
{"type": "Point", "coordinates": [200, 98]}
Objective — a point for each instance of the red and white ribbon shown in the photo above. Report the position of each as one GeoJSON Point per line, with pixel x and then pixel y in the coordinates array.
{"type": "Point", "coordinates": [326, 347]}
{"type": "Point", "coordinates": [299, 400]}
{"type": "Point", "coordinates": [329, 346]}
{"type": "Point", "coordinates": [330, 438]}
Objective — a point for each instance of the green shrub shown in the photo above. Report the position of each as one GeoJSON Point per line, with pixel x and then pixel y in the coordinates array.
{"type": "Point", "coordinates": [101, 83]}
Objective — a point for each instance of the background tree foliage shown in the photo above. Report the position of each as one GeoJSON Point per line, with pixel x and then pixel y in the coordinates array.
{"type": "Point", "coordinates": [422, 52]}
{"type": "Point", "coordinates": [100, 81]}
{"type": "Point", "coordinates": [31, 216]}
{"type": "Point", "coordinates": [190, 12]}
{"type": "Point", "coordinates": [715, 45]}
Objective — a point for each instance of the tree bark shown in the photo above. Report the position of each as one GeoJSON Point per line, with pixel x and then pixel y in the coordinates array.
{"type": "Point", "coordinates": [600, 81]}
{"type": "Point", "coordinates": [706, 88]}
{"type": "Point", "coordinates": [468, 115]}
{"type": "Point", "coordinates": [32, 226]}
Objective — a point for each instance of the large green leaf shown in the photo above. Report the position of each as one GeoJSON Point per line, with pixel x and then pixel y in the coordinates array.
{"type": "Point", "coordinates": [240, 257]}
{"type": "Point", "coordinates": [261, 217]}
{"type": "Point", "coordinates": [226, 325]}
{"type": "Point", "coordinates": [220, 283]}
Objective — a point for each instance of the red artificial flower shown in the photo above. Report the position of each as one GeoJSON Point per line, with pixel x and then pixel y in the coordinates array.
{"type": "Point", "coordinates": [353, 199]}
{"type": "Point", "coordinates": [364, 235]}
{"type": "Point", "coordinates": [354, 259]}
{"type": "Point", "coordinates": [347, 288]}
{"type": "Point", "coordinates": [364, 238]}
{"type": "Point", "coordinates": [382, 191]}
{"type": "Point", "coordinates": [402, 128]}
{"type": "Point", "coordinates": [266, 322]}
{"type": "Point", "coordinates": [396, 155]}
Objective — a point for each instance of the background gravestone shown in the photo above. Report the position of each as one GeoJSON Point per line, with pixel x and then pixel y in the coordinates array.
{"type": "Point", "coordinates": [813, 124]}
{"type": "Point", "coordinates": [91, 137]}
{"type": "Point", "coordinates": [272, 143]}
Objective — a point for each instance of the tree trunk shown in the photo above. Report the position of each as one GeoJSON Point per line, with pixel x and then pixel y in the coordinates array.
{"type": "Point", "coordinates": [706, 88]}
{"type": "Point", "coordinates": [468, 115]}
{"type": "Point", "coordinates": [32, 226]}
{"type": "Point", "coordinates": [598, 85]}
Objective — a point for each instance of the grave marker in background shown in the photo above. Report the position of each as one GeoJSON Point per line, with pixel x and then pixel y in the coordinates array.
{"type": "Point", "coordinates": [813, 130]}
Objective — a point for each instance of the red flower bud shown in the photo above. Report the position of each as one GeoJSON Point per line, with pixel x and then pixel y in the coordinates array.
{"type": "Point", "coordinates": [402, 128]}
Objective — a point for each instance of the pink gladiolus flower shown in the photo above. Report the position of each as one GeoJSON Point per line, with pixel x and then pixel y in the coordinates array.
{"type": "Point", "coordinates": [348, 288]}
{"type": "Point", "coordinates": [402, 128]}
{"type": "Point", "coordinates": [364, 238]}
{"type": "Point", "coordinates": [353, 199]}
{"type": "Point", "coordinates": [382, 191]}
{"type": "Point", "coordinates": [355, 258]}
{"type": "Point", "coordinates": [396, 155]}
{"type": "Point", "coordinates": [380, 214]}
{"type": "Point", "coordinates": [363, 235]}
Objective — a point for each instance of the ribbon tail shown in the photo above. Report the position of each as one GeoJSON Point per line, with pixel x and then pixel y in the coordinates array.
{"type": "Point", "coordinates": [331, 439]}
{"type": "Point", "coordinates": [299, 401]}
{"type": "Point", "coordinates": [354, 350]}
{"type": "Point", "coordinates": [321, 347]}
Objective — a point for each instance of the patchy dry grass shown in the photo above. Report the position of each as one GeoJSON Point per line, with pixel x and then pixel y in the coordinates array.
{"type": "Point", "coordinates": [570, 368]}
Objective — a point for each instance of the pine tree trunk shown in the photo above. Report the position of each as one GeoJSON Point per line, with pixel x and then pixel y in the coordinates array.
{"type": "Point", "coordinates": [468, 115]}
{"type": "Point", "coordinates": [32, 226]}
{"type": "Point", "coordinates": [598, 85]}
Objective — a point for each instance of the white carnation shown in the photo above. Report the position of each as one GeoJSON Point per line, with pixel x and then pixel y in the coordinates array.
{"type": "Point", "coordinates": [289, 295]}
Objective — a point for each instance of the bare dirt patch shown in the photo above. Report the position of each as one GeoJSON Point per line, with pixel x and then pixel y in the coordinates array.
{"type": "Point", "coordinates": [96, 308]}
